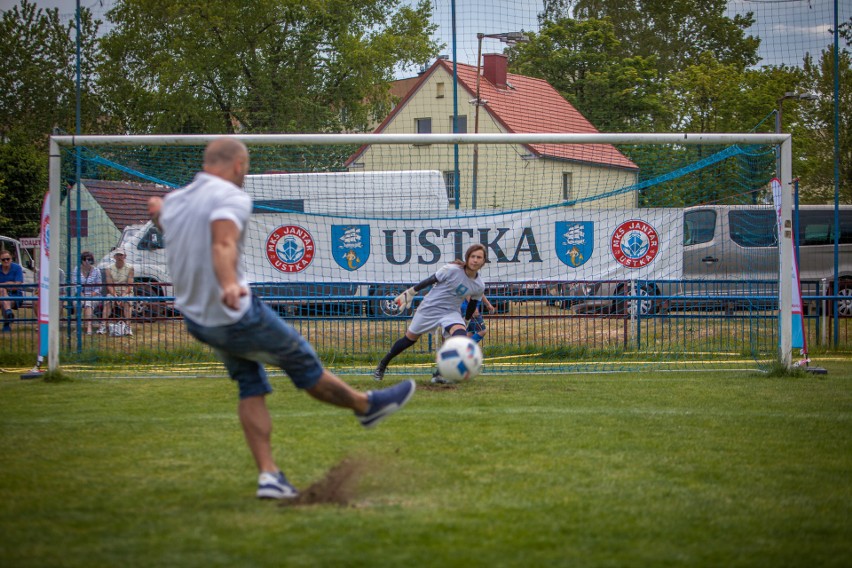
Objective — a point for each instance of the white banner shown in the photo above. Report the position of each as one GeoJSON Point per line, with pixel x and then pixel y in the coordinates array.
{"type": "Point", "coordinates": [44, 278]}
{"type": "Point", "coordinates": [799, 339]}
{"type": "Point", "coordinates": [547, 244]}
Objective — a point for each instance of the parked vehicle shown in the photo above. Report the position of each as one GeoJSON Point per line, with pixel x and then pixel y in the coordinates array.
{"type": "Point", "coordinates": [21, 255]}
{"type": "Point", "coordinates": [730, 259]}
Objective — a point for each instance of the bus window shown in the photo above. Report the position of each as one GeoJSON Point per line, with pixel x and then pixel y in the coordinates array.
{"type": "Point", "coordinates": [698, 226]}
{"type": "Point", "coordinates": [756, 228]}
{"type": "Point", "coordinates": [816, 227]}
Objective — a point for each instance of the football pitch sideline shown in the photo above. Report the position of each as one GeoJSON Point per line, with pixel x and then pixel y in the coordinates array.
{"type": "Point", "coordinates": [651, 469]}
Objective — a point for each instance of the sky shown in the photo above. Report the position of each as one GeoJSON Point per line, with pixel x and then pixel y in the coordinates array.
{"type": "Point", "coordinates": [788, 28]}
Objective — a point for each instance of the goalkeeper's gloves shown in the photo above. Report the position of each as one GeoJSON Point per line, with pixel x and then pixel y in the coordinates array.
{"type": "Point", "coordinates": [404, 300]}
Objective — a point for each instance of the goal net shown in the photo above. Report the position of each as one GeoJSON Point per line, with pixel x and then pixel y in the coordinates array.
{"type": "Point", "coordinates": [606, 252]}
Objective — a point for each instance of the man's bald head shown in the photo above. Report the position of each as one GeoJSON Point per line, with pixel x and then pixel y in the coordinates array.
{"type": "Point", "coordinates": [228, 159]}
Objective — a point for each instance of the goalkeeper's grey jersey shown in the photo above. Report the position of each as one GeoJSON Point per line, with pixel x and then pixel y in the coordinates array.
{"type": "Point", "coordinates": [441, 306]}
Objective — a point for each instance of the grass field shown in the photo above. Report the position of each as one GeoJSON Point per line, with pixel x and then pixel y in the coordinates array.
{"type": "Point", "coordinates": [654, 469]}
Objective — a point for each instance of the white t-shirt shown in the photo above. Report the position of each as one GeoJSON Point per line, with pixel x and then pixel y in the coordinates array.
{"type": "Point", "coordinates": [186, 217]}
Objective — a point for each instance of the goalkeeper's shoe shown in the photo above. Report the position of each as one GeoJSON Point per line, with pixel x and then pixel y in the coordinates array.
{"type": "Point", "coordinates": [437, 379]}
{"type": "Point", "coordinates": [275, 486]}
{"type": "Point", "coordinates": [379, 373]}
{"type": "Point", "coordinates": [383, 403]}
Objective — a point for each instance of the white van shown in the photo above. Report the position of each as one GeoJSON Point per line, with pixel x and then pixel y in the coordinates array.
{"type": "Point", "coordinates": [403, 194]}
{"type": "Point", "coordinates": [732, 250]}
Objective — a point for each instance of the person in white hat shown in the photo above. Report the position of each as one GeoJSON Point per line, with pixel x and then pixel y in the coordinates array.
{"type": "Point", "coordinates": [119, 280]}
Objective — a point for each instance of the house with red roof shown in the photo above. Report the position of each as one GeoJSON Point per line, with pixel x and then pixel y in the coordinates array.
{"type": "Point", "coordinates": [501, 176]}
{"type": "Point", "coordinates": [107, 208]}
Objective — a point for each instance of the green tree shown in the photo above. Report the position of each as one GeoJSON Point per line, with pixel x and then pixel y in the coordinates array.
{"type": "Point", "coordinates": [38, 74]}
{"type": "Point", "coordinates": [38, 89]}
{"type": "Point", "coordinates": [815, 164]}
{"type": "Point", "coordinates": [261, 66]}
{"type": "Point", "coordinates": [23, 183]}
{"type": "Point", "coordinates": [582, 60]}
{"type": "Point", "coordinates": [711, 96]}
{"type": "Point", "coordinates": [675, 32]}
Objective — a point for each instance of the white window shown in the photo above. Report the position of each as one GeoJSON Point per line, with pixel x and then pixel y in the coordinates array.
{"type": "Point", "coordinates": [450, 183]}
{"type": "Point", "coordinates": [567, 189]}
{"type": "Point", "coordinates": [439, 90]}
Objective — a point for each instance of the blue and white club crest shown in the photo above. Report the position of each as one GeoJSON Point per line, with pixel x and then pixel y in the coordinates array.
{"type": "Point", "coordinates": [350, 245]}
{"type": "Point", "coordinates": [575, 241]}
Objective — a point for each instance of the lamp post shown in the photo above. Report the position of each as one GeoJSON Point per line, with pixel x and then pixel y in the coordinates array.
{"type": "Point", "coordinates": [778, 114]}
{"type": "Point", "coordinates": [509, 38]}
{"type": "Point", "coordinates": [790, 95]}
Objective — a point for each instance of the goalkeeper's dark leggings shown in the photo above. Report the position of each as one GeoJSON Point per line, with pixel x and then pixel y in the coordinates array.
{"type": "Point", "coordinates": [404, 343]}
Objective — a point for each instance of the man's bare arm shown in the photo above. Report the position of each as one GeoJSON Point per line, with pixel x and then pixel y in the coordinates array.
{"type": "Point", "coordinates": [225, 234]}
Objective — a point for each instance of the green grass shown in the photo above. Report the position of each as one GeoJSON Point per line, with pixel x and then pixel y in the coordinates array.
{"type": "Point", "coordinates": [665, 469]}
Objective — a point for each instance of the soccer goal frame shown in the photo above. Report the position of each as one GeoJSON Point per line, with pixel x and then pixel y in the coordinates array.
{"type": "Point", "coordinates": [58, 144]}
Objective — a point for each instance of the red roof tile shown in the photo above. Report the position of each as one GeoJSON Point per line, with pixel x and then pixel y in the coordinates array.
{"type": "Point", "coordinates": [125, 203]}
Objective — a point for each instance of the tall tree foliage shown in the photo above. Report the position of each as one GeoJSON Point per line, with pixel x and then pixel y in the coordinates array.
{"type": "Point", "coordinates": [261, 66]}
{"type": "Point", "coordinates": [38, 89]}
{"type": "Point", "coordinates": [815, 164]}
{"type": "Point", "coordinates": [583, 61]}
{"type": "Point", "coordinates": [674, 32]}
{"type": "Point", "coordinates": [698, 76]}
{"type": "Point", "coordinates": [23, 182]}
{"type": "Point", "coordinates": [38, 77]}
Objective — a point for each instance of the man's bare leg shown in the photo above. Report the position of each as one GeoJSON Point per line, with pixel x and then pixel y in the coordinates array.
{"type": "Point", "coordinates": [257, 427]}
{"type": "Point", "coordinates": [330, 389]}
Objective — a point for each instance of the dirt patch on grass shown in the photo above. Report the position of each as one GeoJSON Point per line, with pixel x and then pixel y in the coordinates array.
{"type": "Point", "coordinates": [337, 487]}
{"type": "Point", "coordinates": [431, 387]}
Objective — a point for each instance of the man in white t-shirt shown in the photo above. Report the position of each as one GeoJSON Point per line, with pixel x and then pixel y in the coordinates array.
{"type": "Point", "coordinates": [204, 227]}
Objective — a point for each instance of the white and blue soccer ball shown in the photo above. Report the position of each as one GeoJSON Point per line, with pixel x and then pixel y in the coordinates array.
{"type": "Point", "coordinates": [459, 359]}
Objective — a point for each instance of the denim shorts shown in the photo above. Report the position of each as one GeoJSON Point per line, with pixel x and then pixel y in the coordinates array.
{"type": "Point", "coordinates": [10, 297]}
{"type": "Point", "coordinates": [260, 337]}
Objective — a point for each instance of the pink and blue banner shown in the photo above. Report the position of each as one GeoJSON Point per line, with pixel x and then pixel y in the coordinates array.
{"type": "Point", "coordinates": [799, 337]}
{"type": "Point", "coordinates": [44, 279]}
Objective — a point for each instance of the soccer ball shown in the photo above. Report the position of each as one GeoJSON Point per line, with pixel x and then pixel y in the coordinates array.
{"type": "Point", "coordinates": [459, 359]}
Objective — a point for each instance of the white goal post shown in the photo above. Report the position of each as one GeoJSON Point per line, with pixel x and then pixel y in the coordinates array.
{"type": "Point", "coordinates": [58, 144]}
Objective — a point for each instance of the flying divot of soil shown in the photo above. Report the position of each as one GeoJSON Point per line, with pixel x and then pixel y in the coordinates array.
{"type": "Point", "coordinates": [338, 487]}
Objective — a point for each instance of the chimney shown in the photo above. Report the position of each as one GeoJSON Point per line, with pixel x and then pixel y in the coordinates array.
{"type": "Point", "coordinates": [494, 69]}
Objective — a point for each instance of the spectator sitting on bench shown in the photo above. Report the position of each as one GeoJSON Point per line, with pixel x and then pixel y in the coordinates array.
{"type": "Point", "coordinates": [11, 277]}
{"type": "Point", "coordinates": [119, 283]}
{"type": "Point", "coordinates": [88, 280]}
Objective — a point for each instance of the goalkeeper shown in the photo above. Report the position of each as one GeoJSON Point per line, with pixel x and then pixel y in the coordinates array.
{"type": "Point", "coordinates": [453, 283]}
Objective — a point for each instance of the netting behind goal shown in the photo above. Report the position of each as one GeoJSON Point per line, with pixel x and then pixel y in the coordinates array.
{"type": "Point", "coordinates": [600, 254]}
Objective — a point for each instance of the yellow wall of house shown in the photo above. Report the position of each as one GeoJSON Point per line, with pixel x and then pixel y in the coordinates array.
{"type": "Point", "coordinates": [508, 177]}
{"type": "Point", "coordinates": [102, 235]}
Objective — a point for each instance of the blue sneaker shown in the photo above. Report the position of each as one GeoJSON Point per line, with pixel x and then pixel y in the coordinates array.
{"type": "Point", "coordinates": [275, 486]}
{"type": "Point", "coordinates": [385, 402]}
